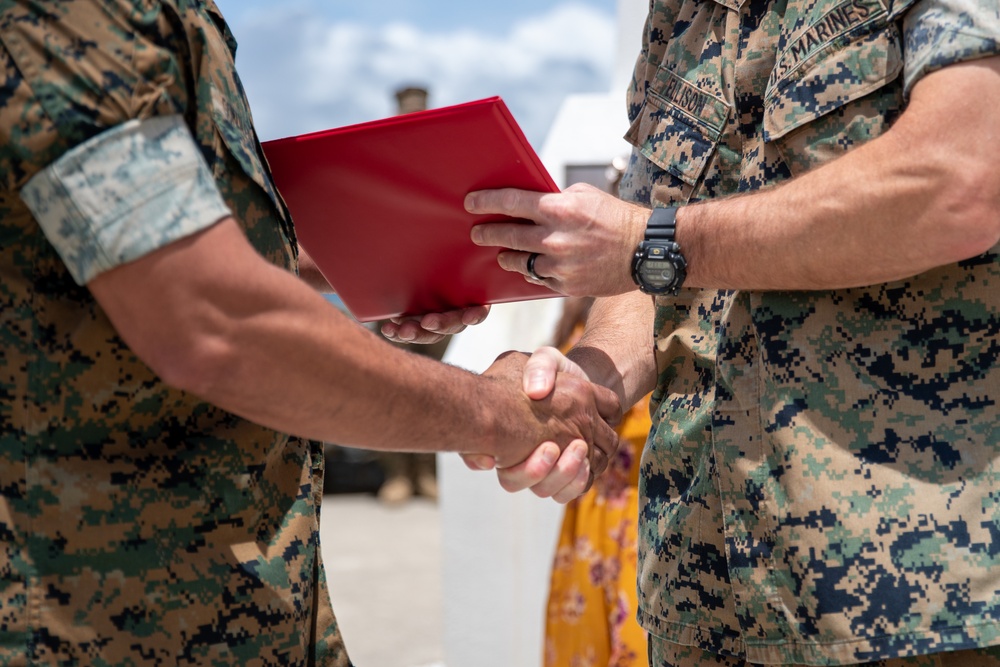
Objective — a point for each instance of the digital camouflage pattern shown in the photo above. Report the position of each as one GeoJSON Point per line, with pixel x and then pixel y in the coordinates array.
{"type": "Point", "coordinates": [823, 482]}
{"type": "Point", "coordinates": [666, 654]}
{"type": "Point", "coordinates": [138, 525]}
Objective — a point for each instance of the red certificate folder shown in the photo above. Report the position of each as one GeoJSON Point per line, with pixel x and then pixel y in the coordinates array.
{"type": "Point", "coordinates": [380, 206]}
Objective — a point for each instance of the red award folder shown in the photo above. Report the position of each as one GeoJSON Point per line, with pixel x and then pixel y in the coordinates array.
{"type": "Point", "coordinates": [380, 206]}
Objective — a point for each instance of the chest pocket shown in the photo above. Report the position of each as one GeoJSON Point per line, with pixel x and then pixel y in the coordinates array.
{"type": "Point", "coordinates": [836, 82]}
{"type": "Point", "coordinates": [678, 129]}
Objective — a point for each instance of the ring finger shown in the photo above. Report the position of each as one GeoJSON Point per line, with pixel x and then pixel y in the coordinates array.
{"type": "Point", "coordinates": [516, 261]}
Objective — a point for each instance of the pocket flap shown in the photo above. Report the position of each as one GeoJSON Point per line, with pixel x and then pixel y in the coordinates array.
{"type": "Point", "coordinates": [838, 72]}
{"type": "Point", "coordinates": [679, 126]}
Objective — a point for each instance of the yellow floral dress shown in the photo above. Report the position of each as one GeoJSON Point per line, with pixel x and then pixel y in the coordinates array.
{"type": "Point", "coordinates": [590, 619]}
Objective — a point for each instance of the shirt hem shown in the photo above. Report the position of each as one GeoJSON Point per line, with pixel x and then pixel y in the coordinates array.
{"type": "Point", "coordinates": [825, 654]}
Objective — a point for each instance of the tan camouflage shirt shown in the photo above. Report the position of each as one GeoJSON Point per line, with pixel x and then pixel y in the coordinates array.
{"type": "Point", "coordinates": [823, 481]}
{"type": "Point", "coordinates": [138, 525]}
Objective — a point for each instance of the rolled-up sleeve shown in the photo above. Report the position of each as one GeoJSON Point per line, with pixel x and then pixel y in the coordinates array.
{"type": "Point", "coordinates": [944, 32]}
{"type": "Point", "coordinates": [129, 191]}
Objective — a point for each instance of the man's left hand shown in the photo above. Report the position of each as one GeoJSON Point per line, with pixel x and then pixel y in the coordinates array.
{"type": "Point", "coordinates": [584, 237]}
{"type": "Point", "coordinates": [433, 327]}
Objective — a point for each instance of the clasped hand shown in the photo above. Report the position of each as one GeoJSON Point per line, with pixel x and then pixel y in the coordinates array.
{"type": "Point", "coordinates": [578, 413]}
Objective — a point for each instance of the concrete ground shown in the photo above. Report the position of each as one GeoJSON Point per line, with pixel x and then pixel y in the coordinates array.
{"type": "Point", "coordinates": [384, 569]}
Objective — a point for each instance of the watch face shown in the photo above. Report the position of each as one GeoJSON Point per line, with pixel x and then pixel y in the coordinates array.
{"type": "Point", "coordinates": [658, 268]}
{"type": "Point", "coordinates": [658, 273]}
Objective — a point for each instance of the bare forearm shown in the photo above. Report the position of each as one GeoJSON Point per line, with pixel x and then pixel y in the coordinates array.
{"type": "Point", "coordinates": [616, 349]}
{"type": "Point", "coordinates": [923, 195]}
{"type": "Point", "coordinates": [252, 339]}
{"type": "Point", "coordinates": [338, 382]}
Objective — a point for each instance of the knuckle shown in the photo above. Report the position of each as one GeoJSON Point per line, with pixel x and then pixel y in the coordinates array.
{"type": "Point", "coordinates": [580, 187]}
{"type": "Point", "coordinates": [558, 244]}
{"type": "Point", "coordinates": [541, 491]}
{"type": "Point", "coordinates": [507, 483]}
{"type": "Point", "coordinates": [541, 495]}
{"type": "Point", "coordinates": [554, 207]}
{"type": "Point", "coordinates": [600, 463]}
{"type": "Point", "coordinates": [504, 237]}
{"type": "Point", "coordinates": [509, 200]}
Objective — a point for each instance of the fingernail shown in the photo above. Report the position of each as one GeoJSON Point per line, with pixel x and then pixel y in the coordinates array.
{"type": "Point", "coordinates": [432, 322]}
{"type": "Point", "coordinates": [580, 453]}
{"type": "Point", "coordinates": [536, 382]}
{"type": "Point", "coordinates": [470, 203]}
{"type": "Point", "coordinates": [477, 235]}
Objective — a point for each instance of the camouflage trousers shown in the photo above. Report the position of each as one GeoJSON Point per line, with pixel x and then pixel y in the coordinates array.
{"type": "Point", "coordinates": [668, 654]}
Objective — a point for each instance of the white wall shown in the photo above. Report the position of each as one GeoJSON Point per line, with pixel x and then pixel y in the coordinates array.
{"type": "Point", "coordinates": [497, 548]}
{"type": "Point", "coordinates": [588, 130]}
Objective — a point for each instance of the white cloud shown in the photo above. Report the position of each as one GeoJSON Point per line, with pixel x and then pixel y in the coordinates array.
{"type": "Point", "coordinates": [304, 73]}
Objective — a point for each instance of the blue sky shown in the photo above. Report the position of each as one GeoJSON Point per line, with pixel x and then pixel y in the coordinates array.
{"type": "Point", "coordinates": [435, 15]}
{"type": "Point", "coordinates": [310, 65]}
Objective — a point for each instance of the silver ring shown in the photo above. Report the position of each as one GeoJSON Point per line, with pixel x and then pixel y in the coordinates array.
{"type": "Point", "coordinates": [531, 266]}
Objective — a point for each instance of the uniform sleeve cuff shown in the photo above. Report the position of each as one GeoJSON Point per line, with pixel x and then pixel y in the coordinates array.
{"type": "Point", "coordinates": [945, 32]}
{"type": "Point", "coordinates": [129, 191]}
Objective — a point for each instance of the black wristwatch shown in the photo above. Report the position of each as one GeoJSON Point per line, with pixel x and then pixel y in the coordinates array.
{"type": "Point", "coordinates": [658, 266]}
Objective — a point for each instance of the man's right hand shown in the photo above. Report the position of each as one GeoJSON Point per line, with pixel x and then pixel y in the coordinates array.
{"type": "Point", "coordinates": [574, 418]}
{"type": "Point", "coordinates": [548, 471]}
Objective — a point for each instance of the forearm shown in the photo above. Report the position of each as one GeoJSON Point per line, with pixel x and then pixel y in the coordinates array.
{"type": "Point", "coordinates": [252, 339]}
{"type": "Point", "coordinates": [616, 349]}
{"type": "Point", "coordinates": [923, 195]}
{"type": "Point", "coordinates": [300, 366]}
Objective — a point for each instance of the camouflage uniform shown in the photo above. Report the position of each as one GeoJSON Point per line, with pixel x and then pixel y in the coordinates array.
{"type": "Point", "coordinates": [138, 525]}
{"type": "Point", "coordinates": [822, 482]}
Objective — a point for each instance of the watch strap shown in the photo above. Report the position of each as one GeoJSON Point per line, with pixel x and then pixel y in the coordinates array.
{"type": "Point", "coordinates": [662, 224]}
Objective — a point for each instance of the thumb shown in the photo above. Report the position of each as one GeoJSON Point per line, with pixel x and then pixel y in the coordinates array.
{"type": "Point", "coordinates": [540, 371]}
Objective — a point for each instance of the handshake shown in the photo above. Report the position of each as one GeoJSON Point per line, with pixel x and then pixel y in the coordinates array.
{"type": "Point", "coordinates": [548, 399]}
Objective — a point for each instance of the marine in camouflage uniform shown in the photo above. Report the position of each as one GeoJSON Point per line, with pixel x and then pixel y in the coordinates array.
{"type": "Point", "coordinates": [138, 524]}
{"type": "Point", "coordinates": [821, 486]}
{"type": "Point", "coordinates": [821, 483]}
